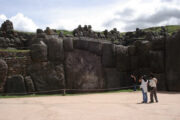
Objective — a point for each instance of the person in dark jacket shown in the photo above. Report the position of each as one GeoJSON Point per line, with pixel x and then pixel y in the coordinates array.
{"type": "Point", "coordinates": [133, 80]}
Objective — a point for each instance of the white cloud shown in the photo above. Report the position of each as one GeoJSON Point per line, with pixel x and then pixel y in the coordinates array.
{"type": "Point", "coordinates": [122, 14]}
{"type": "Point", "coordinates": [2, 18]}
{"type": "Point", "coordinates": [23, 23]}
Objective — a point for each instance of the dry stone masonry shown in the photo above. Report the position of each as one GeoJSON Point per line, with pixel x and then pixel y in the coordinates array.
{"type": "Point", "coordinates": [86, 60]}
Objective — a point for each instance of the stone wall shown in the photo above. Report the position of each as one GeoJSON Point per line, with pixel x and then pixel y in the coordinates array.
{"type": "Point", "coordinates": [86, 61]}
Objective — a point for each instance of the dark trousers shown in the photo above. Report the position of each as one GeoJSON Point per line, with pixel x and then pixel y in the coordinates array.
{"type": "Point", "coordinates": [153, 93]}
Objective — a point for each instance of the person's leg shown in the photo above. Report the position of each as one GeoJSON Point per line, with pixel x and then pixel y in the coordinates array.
{"type": "Point", "coordinates": [151, 95]}
{"type": "Point", "coordinates": [155, 94]}
{"type": "Point", "coordinates": [146, 98]}
{"type": "Point", "coordinates": [134, 87]}
{"type": "Point", "coordinates": [143, 95]}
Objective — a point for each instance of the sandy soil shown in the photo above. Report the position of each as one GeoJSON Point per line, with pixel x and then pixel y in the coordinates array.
{"type": "Point", "coordinates": [108, 106]}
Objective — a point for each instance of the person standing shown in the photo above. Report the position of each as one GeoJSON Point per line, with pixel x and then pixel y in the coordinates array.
{"type": "Point", "coordinates": [153, 90]}
{"type": "Point", "coordinates": [144, 88]}
{"type": "Point", "coordinates": [133, 79]}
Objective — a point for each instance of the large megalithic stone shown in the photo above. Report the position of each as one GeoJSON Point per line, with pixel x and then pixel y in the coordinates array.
{"type": "Point", "coordinates": [15, 84]}
{"type": "Point", "coordinates": [158, 44]}
{"type": "Point", "coordinates": [157, 61]}
{"type": "Point", "coordinates": [39, 52]}
{"type": "Point", "coordinates": [68, 44]}
{"type": "Point", "coordinates": [95, 46]}
{"type": "Point", "coordinates": [142, 49]}
{"type": "Point", "coordinates": [46, 76]}
{"type": "Point", "coordinates": [173, 62]}
{"type": "Point", "coordinates": [81, 43]}
{"type": "Point", "coordinates": [29, 84]}
{"type": "Point", "coordinates": [123, 62]}
{"type": "Point", "coordinates": [55, 50]}
{"type": "Point", "coordinates": [112, 77]}
{"type": "Point", "coordinates": [3, 73]}
{"type": "Point", "coordinates": [83, 70]}
{"type": "Point", "coordinates": [108, 54]}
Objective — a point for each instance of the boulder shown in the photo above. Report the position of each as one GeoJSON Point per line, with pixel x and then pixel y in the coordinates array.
{"type": "Point", "coordinates": [68, 44]}
{"type": "Point", "coordinates": [7, 26]}
{"type": "Point", "coordinates": [29, 84]}
{"type": "Point", "coordinates": [3, 73]}
{"type": "Point", "coordinates": [15, 84]}
{"type": "Point", "coordinates": [55, 50]}
{"type": "Point", "coordinates": [108, 54]}
{"type": "Point", "coordinates": [83, 70]}
{"type": "Point", "coordinates": [39, 52]}
{"type": "Point", "coordinates": [46, 76]}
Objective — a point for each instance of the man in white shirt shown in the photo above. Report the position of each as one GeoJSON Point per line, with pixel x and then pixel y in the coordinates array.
{"type": "Point", "coordinates": [153, 90]}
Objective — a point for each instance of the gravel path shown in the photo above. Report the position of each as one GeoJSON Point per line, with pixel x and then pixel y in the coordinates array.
{"type": "Point", "coordinates": [103, 106]}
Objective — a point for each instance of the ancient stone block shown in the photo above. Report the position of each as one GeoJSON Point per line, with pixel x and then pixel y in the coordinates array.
{"type": "Point", "coordinates": [68, 44]}
{"type": "Point", "coordinates": [83, 70]}
{"type": "Point", "coordinates": [158, 44]}
{"type": "Point", "coordinates": [173, 62]}
{"type": "Point", "coordinates": [46, 76]}
{"type": "Point", "coordinates": [55, 50]}
{"type": "Point", "coordinates": [95, 47]}
{"type": "Point", "coordinates": [122, 58]}
{"type": "Point", "coordinates": [3, 73]}
{"type": "Point", "coordinates": [112, 77]}
{"type": "Point", "coordinates": [39, 52]}
{"type": "Point", "coordinates": [15, 84]}
{"type": "Point", "coordinates": [157, 61]}
{"type": "Point", "coordinates": [108, 54]}
{"type": "Point", "coordinates": [29, 84]}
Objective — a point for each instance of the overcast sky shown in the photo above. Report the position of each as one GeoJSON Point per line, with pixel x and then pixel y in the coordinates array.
{"type": "Point", "coordinates": [125, 15]}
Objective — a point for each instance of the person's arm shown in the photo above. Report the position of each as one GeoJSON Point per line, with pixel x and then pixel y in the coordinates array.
{"type": "Point", "coordinates": [134, 78]}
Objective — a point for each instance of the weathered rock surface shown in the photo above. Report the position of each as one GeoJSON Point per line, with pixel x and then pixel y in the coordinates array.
{"type": "Point", "coordinates": [46, 76]}
{"type": "Point", "coordinates": [39, 52]}
{"type": "Point", "coordinates": [29, 84]}
{"type": "Point", "coordinates": [83, 70]}
{"type": "Point", "coordinates": [15, 84]}
{"type": "Point", "coordinates": [173, 62]}
{"type": "Point", "coordinates": [55, 50]}
{"type": "Point", "coordinates": [3, 73]}
{"type": "Point", "coordinates": [108, 57]}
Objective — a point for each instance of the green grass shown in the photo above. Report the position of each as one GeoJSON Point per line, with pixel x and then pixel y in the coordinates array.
{"type": "Point", "coordinates": [50, 95]}
{"type": "Point", "coordinates": [65, 32]}
{"type": "Point", "coordinates": [170, 29]}
{"type": "Point", "coordinates": [13, 50]}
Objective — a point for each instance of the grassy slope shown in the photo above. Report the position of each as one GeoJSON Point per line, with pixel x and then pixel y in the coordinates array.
{"type": "Point", "coordinates": [170, 29]}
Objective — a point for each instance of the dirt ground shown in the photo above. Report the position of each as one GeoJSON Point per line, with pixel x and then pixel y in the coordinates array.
{"type": "Point", "coordinates": [103, 106]}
